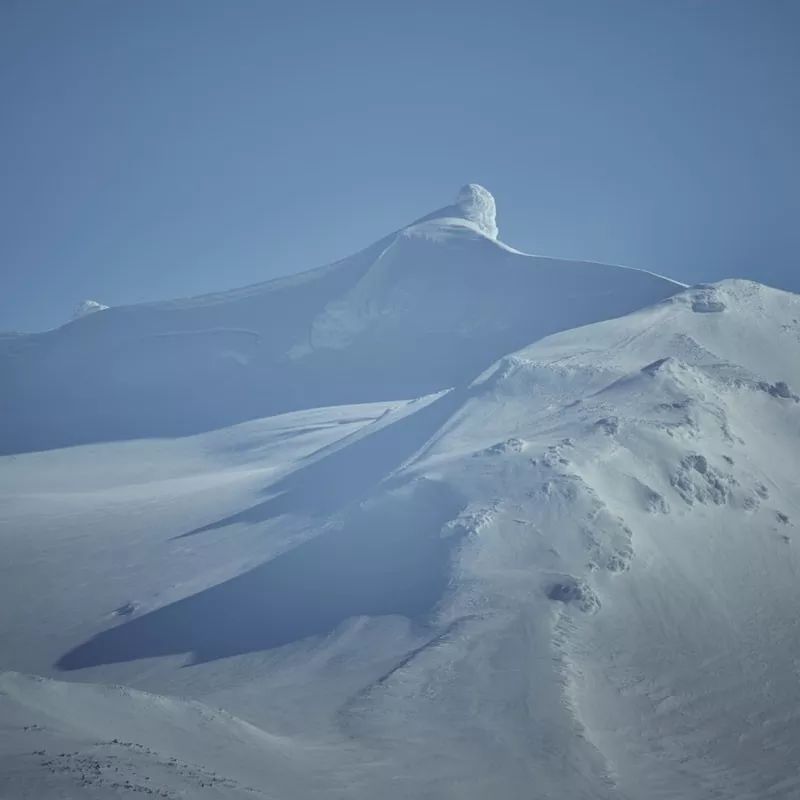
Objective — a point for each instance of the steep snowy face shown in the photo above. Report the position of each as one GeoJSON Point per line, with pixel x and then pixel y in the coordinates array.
{"type": "Point", "coordinates": [634, 491]}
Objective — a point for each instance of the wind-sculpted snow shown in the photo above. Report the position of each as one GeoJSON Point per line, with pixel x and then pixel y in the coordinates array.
{"type": "Point", "coordinates": [426, 308]}
{"type": "Point", "coordinates": [575, 574]}
{"type": "Point", "coordinates": [477, 205]}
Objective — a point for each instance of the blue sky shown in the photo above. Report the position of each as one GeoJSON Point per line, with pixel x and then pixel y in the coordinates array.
{"type": "Point", "coordinates": [153, 149]}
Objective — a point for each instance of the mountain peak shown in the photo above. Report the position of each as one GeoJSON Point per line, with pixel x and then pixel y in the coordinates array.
{"type": "Point", "coordinates": [477, 205]}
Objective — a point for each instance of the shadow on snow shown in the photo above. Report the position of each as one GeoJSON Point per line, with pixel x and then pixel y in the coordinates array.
{"type": "Point", "coordinates": [383, 557]}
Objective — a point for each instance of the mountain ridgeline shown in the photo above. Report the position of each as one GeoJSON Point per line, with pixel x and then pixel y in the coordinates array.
{"type": "Point", "coordinates": [426, 308]}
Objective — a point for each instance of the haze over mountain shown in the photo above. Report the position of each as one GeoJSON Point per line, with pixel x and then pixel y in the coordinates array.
{"type": "Point", "coordinates": [439, 520]}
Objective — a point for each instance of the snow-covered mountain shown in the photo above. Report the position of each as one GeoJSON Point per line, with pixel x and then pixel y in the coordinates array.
{"type": "Point", "coordinates": [349, 332]}
{"type": "Point", "coordinates": [511, 562]}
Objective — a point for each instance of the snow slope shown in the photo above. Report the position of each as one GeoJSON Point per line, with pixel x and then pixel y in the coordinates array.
{"type": "Point", "coordinates": [347, 333]}
{"type": "Point", "coordinates": [573, 574]}
{"type": "Point", "coordinates": [72, 740]}
{"type": "Point", "coordinates": [632, 552]}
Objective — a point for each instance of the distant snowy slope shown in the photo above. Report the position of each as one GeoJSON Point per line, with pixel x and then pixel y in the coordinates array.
{"type": "Point", "coordinates": [423, 309]}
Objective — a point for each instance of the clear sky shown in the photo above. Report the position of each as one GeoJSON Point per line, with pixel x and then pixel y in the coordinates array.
{"type": "Point", "coordinates": [159, 148]}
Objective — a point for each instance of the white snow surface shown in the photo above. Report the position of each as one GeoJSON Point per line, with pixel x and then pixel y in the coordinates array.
{"type": "Point", "coordinates": [573, 573]}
